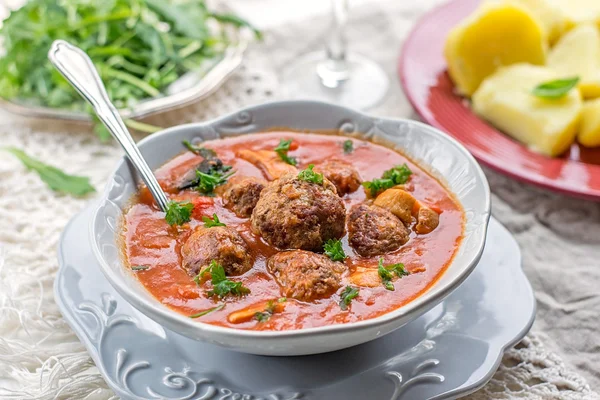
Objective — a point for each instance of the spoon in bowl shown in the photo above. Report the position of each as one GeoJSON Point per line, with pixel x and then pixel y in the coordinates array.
{"type": "Point", "coordinates": [77, 68]}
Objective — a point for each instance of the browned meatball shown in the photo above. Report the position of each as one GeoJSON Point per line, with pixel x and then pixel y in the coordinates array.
{"type": "Point", "coordinates": [241, 194]}
{"type": "Point", "coordinates": [304, 275]}
{"type": "Point", "coordinates": [221, 244]}
{"type": "Point", "coordinates": [294, 214]}
{"type": "Point", "coordinates": [373, 230]}
{"type": "Point", "coordinates": [343, 175]}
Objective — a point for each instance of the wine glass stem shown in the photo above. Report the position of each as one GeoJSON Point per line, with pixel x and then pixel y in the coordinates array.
{"type": "Point", "coordinates": [334, 70]}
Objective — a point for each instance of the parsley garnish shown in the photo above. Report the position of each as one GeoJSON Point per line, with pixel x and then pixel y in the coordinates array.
{"type": "Point", "coordinates": [208, 182]}
{"type": "Point", "coordinates": [211, 222]}
{"type": "Point", "coordinates": [555, 89]}
{"type": "Point", "coordinates": [386, 273]}
{"type": "Point", "coordinates": [202, 151]}
{"type": "Point", "coordinates": [333, 250]}
{"type": "Point", "coordinates": [311, 176]}
{"type": "Point", "coordinates": [347, 296]}
{"type": "Point", "coordinates": [390, 178]}
{"type": "Point", "coordinates": [56, 179]}
{"type": "Point", "coordinates": [282, 151]}
{"type": "Point", "coordinates": [139, 267]}
{"type": "Point", "coordinates": [221, 285]}
{"type": "Point", "coordinates": [203, 313]}
{"type": "Point", "coordinates": [348, 146]}
{"type": "Point", "coordinates": [265, 315]}
{"type": "Point", "coordinates": [178, 213]}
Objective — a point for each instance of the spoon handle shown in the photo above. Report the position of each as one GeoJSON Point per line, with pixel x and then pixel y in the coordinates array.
{"type": "Point", "coordinates": [75, 65]}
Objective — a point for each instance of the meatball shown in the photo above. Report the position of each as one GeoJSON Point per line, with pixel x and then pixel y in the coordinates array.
{"type": "Point", "coordinates": [294, 214]}
{"type": "Point", "coordinates": [304, 275]}
{"type": "Point", "coordinates": [241, 194]}
{"type": "Point", "coordinates": [221, 244]}
{"type": "Point", "coordinates": [343, 175]}
{"type": "Point", "coordinates": [374, 230]}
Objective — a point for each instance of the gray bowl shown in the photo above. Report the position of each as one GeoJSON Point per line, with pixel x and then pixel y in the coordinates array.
{"type": "Point", "coordinates": [428, 147]}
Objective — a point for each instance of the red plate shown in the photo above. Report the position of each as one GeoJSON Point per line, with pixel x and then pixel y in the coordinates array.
{"type": "Point", "coordinates": [422, 70]}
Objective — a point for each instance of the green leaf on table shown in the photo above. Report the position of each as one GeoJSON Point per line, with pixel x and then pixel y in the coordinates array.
{"type": "Point", "coordinates": [555, 89]}
{"type": "Point", "coordinates": [56, 179]}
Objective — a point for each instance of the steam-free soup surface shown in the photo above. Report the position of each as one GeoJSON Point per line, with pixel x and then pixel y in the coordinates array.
{"type": "Point", "coordinates": [150, 242]}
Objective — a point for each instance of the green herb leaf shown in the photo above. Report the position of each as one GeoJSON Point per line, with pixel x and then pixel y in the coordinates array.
{"type": "Point", "coordinates": [56, 179]}
{"type": "Point", "coordinates": [210, 310]}
{"type": "Point", "coordinates": [347, 296]}
{"type": "Point", "coordinates": [139, 267]}
{"type": "Point", "coordinates": [309, 175]}
{"type": "Point", "coordinates": [178, 213]}
{"type": "Point", "coordinates": [237, 21]}
{"type": "Point", "coordinates": [398, 175]}
{"type": "Point", "coordinates": [208, 182]}
{"type": "Point", "coordinates": [334, 250]}
{"type": "Point", "coordinates": [348, 146]}
{"type": "Point", "coordinates": [221, 285]}
{"type": "Point", "coordinates": [265, 315]}
{"type": "Point", "coordinates": [386, 273]}
{"type": "Point", "coordinates": [282, 151]}
{"type": "Point", "coordinates": [209, 223]}
{"type": "Point", "coordinates": [201, 151]}
{"type": "Point", "coordinates": [555, 89]}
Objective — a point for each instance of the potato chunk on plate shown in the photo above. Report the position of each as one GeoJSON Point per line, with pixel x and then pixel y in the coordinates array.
{"type": "Point", "coordinates": [589, 135]}
{"type": "Point", "coordinates": [577, 53]}
{"type": "Point", "coordinates": [505, 99]}
{"type": "Point", "coordinates": [496, 34]}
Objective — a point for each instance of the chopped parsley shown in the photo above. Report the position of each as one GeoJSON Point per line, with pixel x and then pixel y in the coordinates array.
{"type": "Point", "coordinates": [390, 178]}
{"type": "Point", "coordinates": [347, 296]}
{"type": "Point", "coordinates": [178, 213]}
{"type": "Point", "coordinates": [203, 313]}
{"type": "Point", "coordinates": [221, 285]}
{"type": "Point", "coordinates": [212, 222]}
{"type": "Point", "coordinates": [208, 182]}
{"type": "Point", "coordinates": [311, 176]}
{"type": "Point", "coordinates": [386, 273]}
{"type": "Point", "coordinates": [555, 89]}
{"type": "Point", "coordinates": [348, 146]}
{"type": "Point", "coordinates": [333, 249]}
{"type": "Point", "coordinates": [56, 179]}
{"type": "Point", "coordinates": [201, 151]}
{"type": "Point", "coordinates": [282, 151]}
{"type": "Point", "coordinates": [139, 267]}
{"type": "Point", "coordinates": [263, 316]}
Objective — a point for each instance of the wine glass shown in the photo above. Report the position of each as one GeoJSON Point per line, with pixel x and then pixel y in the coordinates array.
{"type": "Point", "coordinates": [336, 76]}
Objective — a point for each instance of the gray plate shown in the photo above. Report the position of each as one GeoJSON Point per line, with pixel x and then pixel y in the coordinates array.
{"type": "Point", "coordinates": [448, 352]}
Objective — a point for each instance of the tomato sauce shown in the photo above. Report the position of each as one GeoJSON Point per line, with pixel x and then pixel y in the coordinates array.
{"type": "Point", "coordinates": [149, 241]}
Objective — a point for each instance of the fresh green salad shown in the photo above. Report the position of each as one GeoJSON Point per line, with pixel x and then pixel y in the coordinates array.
{"type": "Point", "coordinates": [139, 46]}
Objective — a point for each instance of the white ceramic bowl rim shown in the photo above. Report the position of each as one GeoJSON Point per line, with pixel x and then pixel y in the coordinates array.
{"type": "Point", "coordinates": [245, 118]}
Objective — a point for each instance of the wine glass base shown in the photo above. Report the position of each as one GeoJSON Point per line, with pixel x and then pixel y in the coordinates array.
{"type": "Point", "coordinates": [366, 85]}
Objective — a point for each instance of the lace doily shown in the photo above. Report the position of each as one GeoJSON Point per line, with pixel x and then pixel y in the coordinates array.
{"type": "Point", "coordinates": [41, 358]}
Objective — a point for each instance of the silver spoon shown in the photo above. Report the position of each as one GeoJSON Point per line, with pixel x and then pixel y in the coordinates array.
{"type": "Point", "coordinates": [75, 65]}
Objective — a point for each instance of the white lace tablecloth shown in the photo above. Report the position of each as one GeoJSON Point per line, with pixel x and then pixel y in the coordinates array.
{"type": "Point", "coordinates": [40, 358]}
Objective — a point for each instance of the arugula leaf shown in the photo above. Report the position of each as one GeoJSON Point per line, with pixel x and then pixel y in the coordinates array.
{"type": "Point", "coordinates": [221, 285]}
{"type": "Point", "coordinates": [178, 213]}
{"type": "Point", "coordinates": [282, 151]}
{"type": "Point", "coordinates": [347, 296]}
{"type": "Point", "coordinates": [56, 179]}
{"type": "Point", "coordinates": [555, 89]}
{"type": "Point", "coordinates": [386, 273]}
{"type": "Point", "coordinates": [309, 175]}
{"type": "Point", "coordinates": [212, 222]}
{"type": "Point", "coordinates": [348, 146]}
{"type": "Point", "coordinates": [334, 250]}
{"type": "Point", "coordinates": [397, 175]}
{"type": "Point", "coordinates": [237, 21]}
{"type": "Point", "coordinates": [210, 310]}
{"type": "Point", "coordinates": [201, 151]}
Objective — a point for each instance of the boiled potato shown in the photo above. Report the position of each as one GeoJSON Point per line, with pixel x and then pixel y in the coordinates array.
{"type": "Point", "coordinates": [550, 17]}
{"type": "Point", "coordinates": [589, 135]}
{"type": "Point", "coordinates": [548, 126]}
{"type": "Point", "coordinates": [496, 34]}
{"type": "Point", "coordinates": [578, 11]}
{"type": "Point", "coordinates": [578, 54]}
